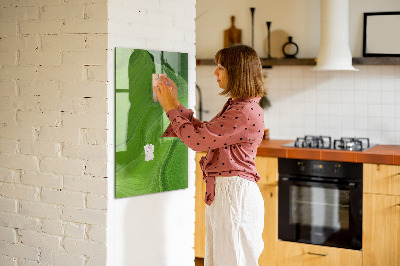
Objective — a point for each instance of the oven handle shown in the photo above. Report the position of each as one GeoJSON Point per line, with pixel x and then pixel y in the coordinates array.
{"type": "Point", "coordinates": [297, 181]}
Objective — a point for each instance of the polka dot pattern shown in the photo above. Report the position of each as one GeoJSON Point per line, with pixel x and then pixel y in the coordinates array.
{"type": "Point", "coordinates": [231, 139]}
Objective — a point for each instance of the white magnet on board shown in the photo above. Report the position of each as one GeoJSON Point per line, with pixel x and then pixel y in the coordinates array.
{"type": "Point", "coordinates": [148, 152]}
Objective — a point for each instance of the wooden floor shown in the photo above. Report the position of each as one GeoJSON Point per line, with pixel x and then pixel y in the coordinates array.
{"type": "Point", "coordinates": [199, 262]}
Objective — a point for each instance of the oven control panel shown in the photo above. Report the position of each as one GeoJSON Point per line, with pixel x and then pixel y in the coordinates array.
{"type": "Point", "coordinates": [331, 169]}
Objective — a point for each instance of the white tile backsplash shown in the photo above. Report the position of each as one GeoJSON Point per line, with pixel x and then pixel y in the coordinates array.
{"type": "Point", "coordinates": [388, 97]}
{"type": "Point", "coordinates": [364, 103]}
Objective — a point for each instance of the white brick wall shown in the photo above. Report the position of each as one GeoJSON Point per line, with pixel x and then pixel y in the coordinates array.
{"type": "Point", "coordinates": [54, 76]}
{"type": "Point", "coordinates": [53, 106]}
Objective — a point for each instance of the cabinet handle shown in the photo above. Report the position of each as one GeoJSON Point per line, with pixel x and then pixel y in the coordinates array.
{"type": "Point", "coordinates": [318, 254]}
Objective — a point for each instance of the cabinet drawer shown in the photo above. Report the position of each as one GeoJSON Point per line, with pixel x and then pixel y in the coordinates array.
{"type": "Point", "coordinates": [381, 179]}
{"type": "Point", "coordinates": [294, 254]}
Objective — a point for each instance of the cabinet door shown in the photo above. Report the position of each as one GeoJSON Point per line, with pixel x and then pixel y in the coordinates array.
{"type": "Point", "coordinates": [297, 254]}
{"type": "Point", "coordinates": [381, 230]}
{"type": "Point", "coordinates": [381, 179]}
{"type": "Point", "coordinates": [270, 233]}
{"type": "Point", "coordinates": [267, 168]}
{"type": "Point", "coordinates": [200, 207]}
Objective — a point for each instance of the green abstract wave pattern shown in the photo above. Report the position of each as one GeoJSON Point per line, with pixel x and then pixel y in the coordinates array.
{"type": "Point", "coordinates": [139, 121]}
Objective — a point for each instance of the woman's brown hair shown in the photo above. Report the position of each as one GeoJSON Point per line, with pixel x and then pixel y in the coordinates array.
{"type": "Point", "coordinates": [245, 78]}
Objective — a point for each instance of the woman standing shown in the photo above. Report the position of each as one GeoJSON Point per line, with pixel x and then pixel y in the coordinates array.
{"type": "Point", "coordinates": [235, 207]}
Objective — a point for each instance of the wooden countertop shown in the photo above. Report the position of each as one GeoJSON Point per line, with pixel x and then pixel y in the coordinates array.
{"type": "Point", "coordinates": [379, 154]}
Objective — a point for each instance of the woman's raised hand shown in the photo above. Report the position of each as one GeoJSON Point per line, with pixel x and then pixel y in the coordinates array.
{"type": "Point", "coordinates": [165, 93]}
{"type": "Point", "coordinates": [174, 91]}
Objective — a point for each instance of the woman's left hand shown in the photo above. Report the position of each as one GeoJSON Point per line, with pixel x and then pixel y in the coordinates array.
{"type": "Point", "coordinates": [163, 90]}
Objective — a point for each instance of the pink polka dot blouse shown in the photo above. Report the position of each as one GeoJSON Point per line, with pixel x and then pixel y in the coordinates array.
{"type": "Point", "coordinates": [231, 139]}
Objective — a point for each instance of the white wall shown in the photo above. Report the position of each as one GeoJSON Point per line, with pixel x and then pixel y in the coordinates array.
{"type": "Point", "coordinates": [298, 18]}
{"type": "Point", "coordinates": [156, 229]}
{"type": "Point", "coordinates": [338, 104]}
{"type": "Point", "coordinates": [53, 106]}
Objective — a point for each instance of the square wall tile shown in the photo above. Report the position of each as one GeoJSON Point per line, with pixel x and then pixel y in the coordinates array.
{"type": "Point", "coordinates": [348, 123]}
{"type": "Point", "coordinates": [310, 109]}
{"type": "Point", "coordinates": [334, 109]}
{"type": "Point", "coordinates": [335, 122]}
{"type": "Point", "coordinates": [388, 124]}
{"type": "Point", "coordinates": [374, 83]}
{"type": "Point", "coordinates": [361, 97]}
{"type": "Point", "coordinates": [347, 109]}
{"type": "Point", "coordinates": [322, 95]}
{"type": "Point", "coordinates": [374, 110]}
{"type": "Point", "coordinates": [361, 124]}
{"type": "Point", "coordinates": [361, 110]}
{"type": "Point", "coordinates": [297, 72]}
{"type": "Point", "coordinates": [375, 136]}
{"type": "Point", "coordinates": [388, 97]}
{"type": "Point", "coordinates": [322, 121]}
{"type": "Point", "coordinates": [388, 137]}
{"type": "Point", "coordinates": [348, 132]}
{"type": "Point", "coordinates": [374, 123]}
{"type": "Point", "coordinates": [348, 96]}
{"type": "Point", "coordinates": [388, 110]}
{"type": "Point", "coordinates": [388, 84]}
{"type": "Point", "coordinates": [374, 97]}
{"type": "Point", "coordinates": [310, 95]}
{"type": "Point", "coordinates": [387, 72]}
{"type": "Point", "coordinates": [335, 95]}
{"type": "Point", "coordinates": [297, 83]}
{"type": "Point", "coordinates": [322, 109]}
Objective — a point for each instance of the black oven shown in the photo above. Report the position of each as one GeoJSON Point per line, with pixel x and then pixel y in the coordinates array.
{"type": "Point", "coordinates": [320, 202]}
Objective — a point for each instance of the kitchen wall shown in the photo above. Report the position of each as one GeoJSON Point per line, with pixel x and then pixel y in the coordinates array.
{"type": "Point", "coordinates": [339, 104]}
{"type": "Point", "coordinates": [156, 229]}
{"type": "Point", "coordinates": [53, 107]}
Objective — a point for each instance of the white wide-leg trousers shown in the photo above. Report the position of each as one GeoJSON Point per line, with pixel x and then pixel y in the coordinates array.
{"type": "Point", "coordinates": [234, 223]}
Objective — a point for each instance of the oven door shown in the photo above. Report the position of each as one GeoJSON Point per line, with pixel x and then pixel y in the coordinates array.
{"type": "Point", "coordinates": [321, 212]}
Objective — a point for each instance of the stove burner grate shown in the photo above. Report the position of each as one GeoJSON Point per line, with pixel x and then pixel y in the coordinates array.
{"type": "Point", "coordinates": [351, 144]}
{"type": "Point", "coordinates": [321, 142]}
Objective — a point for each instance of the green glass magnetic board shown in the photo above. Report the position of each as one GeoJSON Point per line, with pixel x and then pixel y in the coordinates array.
{"type": "Point", "coordinates": [144, 162]}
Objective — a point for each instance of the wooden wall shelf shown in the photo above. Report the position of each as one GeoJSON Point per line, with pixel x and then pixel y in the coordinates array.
{"type": "Point", "coordinates": [312, 61]}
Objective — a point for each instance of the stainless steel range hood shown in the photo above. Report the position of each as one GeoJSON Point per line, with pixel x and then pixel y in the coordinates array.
{"type": "Point", "coordinates": [334, 51]}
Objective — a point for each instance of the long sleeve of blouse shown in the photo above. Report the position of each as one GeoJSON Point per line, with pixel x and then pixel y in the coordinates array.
{"type": "Point", "coordinates": [225, 130]}
{"type": "Point", "coordinates": [186, 113]}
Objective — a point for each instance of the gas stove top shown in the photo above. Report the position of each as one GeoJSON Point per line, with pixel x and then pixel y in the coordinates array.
{"type": "Point", "coordinates": [325, 142]}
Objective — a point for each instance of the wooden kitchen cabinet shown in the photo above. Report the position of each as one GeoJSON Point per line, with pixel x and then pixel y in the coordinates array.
{"type": "Point", "coordinates": [270, 233]}
{"type": "Point", "coordinates": [381, 230]}
{"type": "Point", "coordinates": [200, 207]}
{"type": "Point", "coordinates": [298, 254]}
{"type": "Point", "coordinates": [267, 168]}
{"type": "Point", "coordinates": [381, 179]}
{"type": "Point", "coordinates": [381, 215]}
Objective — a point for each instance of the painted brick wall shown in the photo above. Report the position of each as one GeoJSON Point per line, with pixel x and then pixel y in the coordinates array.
{"type": "Point", "coordinates": [155, 229]}
{"type": "Point", "coordinates": [53, 105]}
